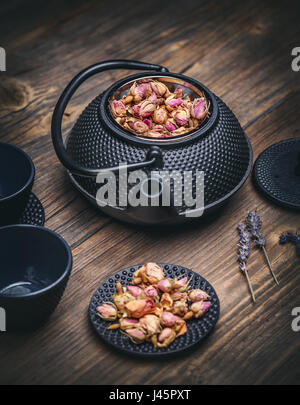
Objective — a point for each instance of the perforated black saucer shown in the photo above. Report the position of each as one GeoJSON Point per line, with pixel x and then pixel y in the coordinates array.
{"type": "Point", "coordinates": [198, 329]}
{"type": "Point", "coordinates": [34, 213]}
{"type": "Point", "coordinates": [277, 173]}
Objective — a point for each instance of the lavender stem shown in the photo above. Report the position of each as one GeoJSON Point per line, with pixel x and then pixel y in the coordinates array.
{"type": "Point", "coordinates": [250, 285]}
{"type": "Point", "coordinates": [269, 264]}
{"type": "Point", "coordinates": [244, 252]}
{"type": "Point", "coordinates": [254, 227]}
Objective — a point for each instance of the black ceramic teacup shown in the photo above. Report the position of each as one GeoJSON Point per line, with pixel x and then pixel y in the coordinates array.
{"type": "Point", "coordinates": [35, 265]}
{"type": "Point", "coordinates": [16, 180]}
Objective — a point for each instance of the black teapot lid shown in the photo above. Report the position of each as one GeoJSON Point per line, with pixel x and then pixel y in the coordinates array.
{"type": "Point", "coordinates": [276, 173]}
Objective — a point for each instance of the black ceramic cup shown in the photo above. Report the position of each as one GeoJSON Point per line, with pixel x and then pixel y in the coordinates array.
{"type": "Point", "coordinates": [35, 265]}
{"type": "Point", "coordinates": [16, 180]}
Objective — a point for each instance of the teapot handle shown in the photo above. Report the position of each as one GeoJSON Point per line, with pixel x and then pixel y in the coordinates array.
{"type": "Point", "coordinates": [154, 154]}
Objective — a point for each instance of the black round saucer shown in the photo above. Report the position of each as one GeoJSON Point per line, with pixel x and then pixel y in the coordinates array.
{"type": "Point", "coordinates": [276, 173]}
{"type": "Point", "coordinates": [198, 329]}
{"type": "Point", "coordinates": [33, 213]}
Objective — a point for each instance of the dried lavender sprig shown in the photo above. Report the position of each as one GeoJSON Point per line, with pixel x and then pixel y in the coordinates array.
{"type": "Point", "coordinates": [244, 246]}
{"type": "Point", "coordinates": [244, 253]}
{"type": "Point", "coordinates": [290, 237]}
{"type": "Point", "coordinates": [254, 225]}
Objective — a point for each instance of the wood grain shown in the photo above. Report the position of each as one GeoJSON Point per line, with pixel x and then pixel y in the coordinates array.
{"type": "Point", "coordinates": [241, 50]}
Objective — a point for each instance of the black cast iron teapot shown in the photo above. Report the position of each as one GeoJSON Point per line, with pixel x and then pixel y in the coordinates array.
{"type": "Point", "coordinates": [98, 144]}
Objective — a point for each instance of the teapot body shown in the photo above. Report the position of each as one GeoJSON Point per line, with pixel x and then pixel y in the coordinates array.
{"type": "Point", "coordinates": [219, 149]}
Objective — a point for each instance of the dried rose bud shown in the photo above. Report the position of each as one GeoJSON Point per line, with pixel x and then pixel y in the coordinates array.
{"type": "Point", "coordinates": [180, 328]}
{"type": "Point", "coordinates": [146, 108]}
{"type": "Point", "coordinates": [205, 306]}
{"type": "Point", "coordinates": [200, 307]}
{"type": "Point", "coordinates": [141, 90]}
{"type": "Point", "coordinates": [127, 100]}
{"type": "Point", "coordinates": [168, 319]}
{"type": "Point", "coordinates": [154, 340]}
{"type": "Point", "coordinates": [160, 101]}
{"type": "Point", "coordinates": [137, 276]}
{"type": "Point", "coordinates": [193, 123]}
{"type": "Point", "coordinates": [166, 301]}
{"type": "Point", "coordinates": [180, 131]}
{"type": "Point", "coordinates": [139, 308]}
{"type": "Point", "coordinates": [170, 125]}
{"type": "Point", "coordinates": [134, 290]}
{"type": "Point", "coordinates": [160, 116]}
{"type": "Point", "coordinates": [198, 109]}
{"type": "Point", "coordinates": [127, 323]}
{"type": "Point", "coordinates": [159, 88]}
{"type": "Point", "coordinates": [127, 126]}
{"type": "Point", "coordinates": [173, 102]}
{"type": "Point", "coordinates": [118, 109]}
{"type": "Point", "coordinates": [181, 116]}
{"type": "Point", "coordinates": [136, 110]}
{"type": "Point", "coordinates": [182, 283]}
{"type": "Point", "coordinates": [151, 324]}
{"type": "Point", "coordinates": [119, 288]}
{"type": "Point", "coordinates": [154, 273]}
{"type": "Point", "coordinates": [198, 295]}
{"type": "Point", "coordinates": [132, 89]}
{"type": "Point", "coordinates": [138, 126]}
{"type": "Point", "coordinates": [151, 291]}
{"type": "Point", "coordinates": [154, 134]}
{"type": "Point", "coordinates": [166, 337]}
{"type": "Point", "coordinates": [153, 97]}
{"type": "Point", "coordinates": [178, 92]}
{"type": "Point", "coordinates": [165, 334]}
{"type": "Point", "coordinates": [120, 120]}
{"type": "Point", "coordinates": [148, 122]}
{"type": "Point", "coordinates": [177, 295]}
{"type": "Point", "coordinates": [121, 300]}
{"type": "Point", "coordinates": [107, 312]}
{"type": "Point", "coordinates": [136, 335]}
{"type": "Point", "coordinates": [180, 308]}
{"type": "Point", "coordinates": [159, 128]}
{"type": "Point", "coordinates": [165, 285]}
{"type": "Point", "coordinates": [187, 103]}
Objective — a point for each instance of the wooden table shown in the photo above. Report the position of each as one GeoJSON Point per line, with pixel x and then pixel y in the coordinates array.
{"type": "Point", "coordinates": [242, 51]}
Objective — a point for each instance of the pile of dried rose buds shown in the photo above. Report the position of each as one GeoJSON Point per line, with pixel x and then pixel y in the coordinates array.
{"type": "Point", "coordinates": [150, 109]}
{"type": "Point", "coordinates": [154, 308]}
